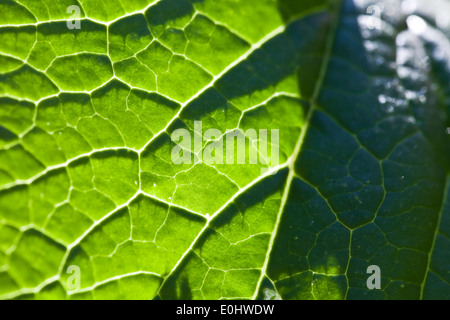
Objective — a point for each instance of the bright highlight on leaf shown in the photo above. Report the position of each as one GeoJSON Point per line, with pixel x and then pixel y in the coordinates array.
{"type": "Point", "coordinates": [93, 205]}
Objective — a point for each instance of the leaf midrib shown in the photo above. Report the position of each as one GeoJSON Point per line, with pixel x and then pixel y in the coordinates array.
{"type": "Point", "coordinates": [290, 163]}
{"type": "Point", "coordinates": [313, 107]}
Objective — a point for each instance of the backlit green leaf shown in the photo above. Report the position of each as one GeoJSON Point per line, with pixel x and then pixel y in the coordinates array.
{"type": "Point", "coordinates": [357, 89]}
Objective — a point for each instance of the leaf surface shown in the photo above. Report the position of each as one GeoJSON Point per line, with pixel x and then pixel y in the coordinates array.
{"type": "Point", "coordinates": [361, 103]}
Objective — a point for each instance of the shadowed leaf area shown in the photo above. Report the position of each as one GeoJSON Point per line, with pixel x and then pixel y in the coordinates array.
{"type": "Point", "coordinates": [93, 206]}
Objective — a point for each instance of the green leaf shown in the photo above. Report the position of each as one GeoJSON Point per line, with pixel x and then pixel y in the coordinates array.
{"type": "Point", "coordinates": [87, 177]}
